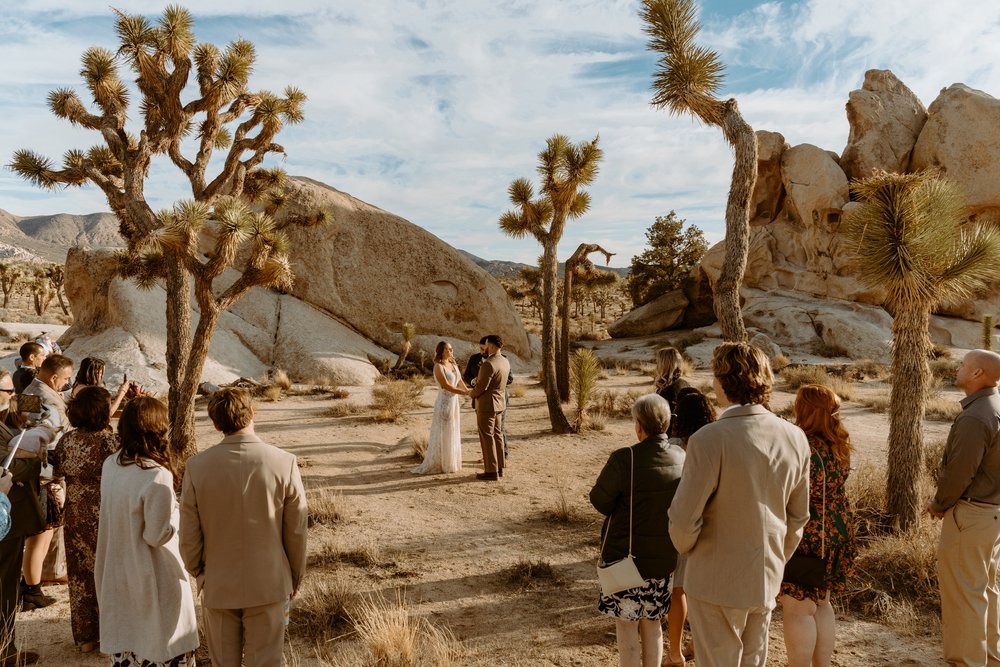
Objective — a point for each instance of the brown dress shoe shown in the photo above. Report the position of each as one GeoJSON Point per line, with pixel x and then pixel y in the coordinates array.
{"type": "Point", "coordinates": [487, 476]}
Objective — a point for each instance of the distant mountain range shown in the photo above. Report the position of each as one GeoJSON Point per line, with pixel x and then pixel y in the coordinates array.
{"type": "Point", "coordinates": [499, 268]}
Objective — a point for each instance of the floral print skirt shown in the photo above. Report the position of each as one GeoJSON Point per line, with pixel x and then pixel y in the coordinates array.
{"type": "Point", "coordinates": [651, 600]}
{"type": "Point", "coordinates": [130, 659]}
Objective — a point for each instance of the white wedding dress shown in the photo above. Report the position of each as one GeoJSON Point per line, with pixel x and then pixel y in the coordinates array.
{"type": "Point", "coordinates": [444, 446]}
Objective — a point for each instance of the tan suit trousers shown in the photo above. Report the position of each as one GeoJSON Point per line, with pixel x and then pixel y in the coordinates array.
{"type": "Point", "coordinates": [726, 636]}
{"type": "Point", "coordinates": [253, 637]}
{"type": "Point", "coordinates": [490, 426]}
{"type": "Point", "coordinates": [967, 576]}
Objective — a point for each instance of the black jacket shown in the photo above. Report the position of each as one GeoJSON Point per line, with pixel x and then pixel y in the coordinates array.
{"type": "Point", "coordinates": [25, 508]}
{"type": "Point", "coordinates": [658, 468]}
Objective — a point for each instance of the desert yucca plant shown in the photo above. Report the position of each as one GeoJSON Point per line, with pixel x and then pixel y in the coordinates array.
{"type": "Point", "coordinates": [584, 370]}
{"type": "Point", "coordinates": [409, 331]}
{"type": "Point", "coordinates": [987, 343]}
{"type": "Point", "coordinates": [908, 239]}
{"type": "Point", "coordinates": [688, 77]}
{"type": "Point", "coordinates": [393, 637]}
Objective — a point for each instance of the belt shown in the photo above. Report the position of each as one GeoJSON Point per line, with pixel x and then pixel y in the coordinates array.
{"type": "Point", "coordinates": [979, 502]}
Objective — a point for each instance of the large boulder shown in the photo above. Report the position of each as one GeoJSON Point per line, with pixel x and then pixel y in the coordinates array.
{"type": "Point", "coordinates": [127, 328]}
{"type": "Point", "coordinates": [815, 184]}
{"type": "Point", "coordinates": [768, 193]}
{"type": "Point", "coordinates": [662, 313]}
{"type": "Point", "coordinates": [885, 118]}
{"type": "Point", "coordinates": [374, 271]}
{"type": "Point", "coordinates": [961, 139]}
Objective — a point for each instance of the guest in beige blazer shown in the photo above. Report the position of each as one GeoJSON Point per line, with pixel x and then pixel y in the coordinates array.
{"type": "Point", "coordinates": [739, 512]}
{"type": "Point", "coordinates": [490, 389]}
{"type": "Point", "coordinates": [243, 536]}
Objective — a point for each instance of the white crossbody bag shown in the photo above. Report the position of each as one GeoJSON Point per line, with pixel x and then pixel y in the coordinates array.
{"type": "Point", "coordinates": [623, 574]}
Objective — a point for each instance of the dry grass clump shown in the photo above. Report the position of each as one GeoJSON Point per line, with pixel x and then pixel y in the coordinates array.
{"type": "Point", "coordinates": [279, 378]}
{"type": "Point", "coordinates": [323, 607]}
{"type": "Point", "coordinates": [326, 507]}
{"type": "Point", "coordinates": [366, 555]}
{"type": "Point", "coordinates": [614, 404]}
{"type": "Point", "coordinates": [272, 393]}
{"type": "Point", "coordinates": [528, 574]}
{"type": "Point", "coordinates": [391, 399]}
{"type": "Point", "coordinates": [391, 636]}
{"type": "Point", "coordinates": [866, 369]}
{"type": "Point", "coordinates": [866, 491]}
{"type": "Point", "coordinates": [797, 376]}
{"type": "Point", "coordinates": [932, 457]}
{"type": "Point", "coordinates": [944, 370]}
{"type": "Point", "coordinates": [942, 408]}
{"type": "Point", "coordinates": [517, 390]}
{"type": "Point", "coordinates": [345, 409]}
{"type": "Point", "coordinates": [823, 349]}
{"type": "Point", "coordinates": [417, 442]}
{"type": "Point", "coordinates": [877, 402]}
{"type": "Point", "coordinates": [780, 362]}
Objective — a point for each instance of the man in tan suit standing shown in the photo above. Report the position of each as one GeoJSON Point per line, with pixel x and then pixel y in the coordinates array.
{"type": "Point", "coordinates": [968, 500]}
{"type": "Point", "coordinates": [491, 382]}
{"type": "Point", "coordinates": [243, 536]}
{"type": "Point", "coordinates": [739, 512]}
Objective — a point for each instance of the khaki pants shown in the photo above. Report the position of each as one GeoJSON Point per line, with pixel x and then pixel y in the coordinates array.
{"type": "Point", "coordinates": [253, 637]}
{"type": "Point", "coordinates": [967, 576]}
{"type": "Point", "coordinates": [490, 426]}
{"type": "Point", "coordinates": [728, 637]}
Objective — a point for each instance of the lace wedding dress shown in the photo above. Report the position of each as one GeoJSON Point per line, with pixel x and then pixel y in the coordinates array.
{"type": "Point", "coordinates": [444, 446]}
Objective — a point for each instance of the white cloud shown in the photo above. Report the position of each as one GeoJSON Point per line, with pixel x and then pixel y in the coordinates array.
{"type": "Point", "coordinates": [429, 109]}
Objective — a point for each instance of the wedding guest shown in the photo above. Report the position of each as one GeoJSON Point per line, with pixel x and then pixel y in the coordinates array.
{"type": "Point", "coordinates": [26, 519]}
{"type": "Point", "coordinates": [53, 375]}
{"type": "Point", "coordinates": [669, 366]}
{"type": "Point", "coordinates": [243, 534]}
{"type": "Point", "coordinates": [694, 410]}
{"type": "Point", "coordinates": [91, 374]}
{"type": "Point", "coordinates": [739, 532]}
{"type": "Point", "coordinates": [79, 457]}
{"type": "Point", "coordinates": [144, 595]}
{"type": "Point", "coordinates": [634, 492]}
{"type": "Point", "coordinates": [810, 625]}
{"type": "Point", "coordinates": [32, 355]}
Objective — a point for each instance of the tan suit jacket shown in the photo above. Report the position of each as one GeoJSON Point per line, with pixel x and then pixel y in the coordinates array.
{"type": "Point", "coordinates": [243, 523]}
{"type": "Point", "coordinates": [491, 383]}
{"type": "Point", "coordinates": [741, 505]}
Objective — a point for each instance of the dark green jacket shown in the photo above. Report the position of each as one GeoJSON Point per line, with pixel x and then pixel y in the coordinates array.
{"type": "Point", "coordinates": [658, 466]}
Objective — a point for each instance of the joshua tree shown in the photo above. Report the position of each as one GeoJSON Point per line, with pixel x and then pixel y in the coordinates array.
{"type": "Point", "coordinates": [577, 264]}
{"type": "Point", "coordinates": [908, 239]}
{"type": "Point", "coordinates": [40, 289]}
{"type": "Point", "coordinates": [10, 274]}
{"type": "Point", "coordinates": [409, 331]}
{"type": "Point", "coordinates": [688, 77]}
{"type": "Point", "coordinates": [189, 246]}
{"type": "Point", "coordinates": [564, 168]}
{"type": "Point", "coordinates": [57, 278]}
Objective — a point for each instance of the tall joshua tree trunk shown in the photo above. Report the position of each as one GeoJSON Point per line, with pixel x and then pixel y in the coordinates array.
{"type": "Point", "coordinates": [910, 383]}
{"type": "Point", "coordinates": [550, 270]}
{"type": "Point", "coordinates": [576, 261]}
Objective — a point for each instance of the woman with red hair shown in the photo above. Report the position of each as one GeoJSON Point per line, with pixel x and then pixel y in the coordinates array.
{"type": "Point", "coordinates": [810, 625]}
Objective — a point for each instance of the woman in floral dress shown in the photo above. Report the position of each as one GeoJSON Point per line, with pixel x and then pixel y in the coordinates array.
{"type": "Point", "coordinates": [79, 457]}
{"type": "Point", "coordinates": [810, 625]}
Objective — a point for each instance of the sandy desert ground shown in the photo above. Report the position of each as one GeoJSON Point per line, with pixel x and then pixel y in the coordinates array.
{"type": "Point", "coordinates": [447, 543]}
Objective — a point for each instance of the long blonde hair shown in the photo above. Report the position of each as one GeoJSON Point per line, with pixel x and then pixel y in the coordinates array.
{"type": "Point", "coordinates": [817, 412]}
{"type": "Point", "coordinates": [669, 364]}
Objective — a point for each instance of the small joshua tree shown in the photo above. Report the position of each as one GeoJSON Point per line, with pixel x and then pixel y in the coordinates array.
{"type": "Point", "coordinates": [194, 104]}
{"type": "Point", "coordinates": [57, 279]}
{"type": "Point", "coordinates": [11, 274]}
{"type": "Point", "coordinates": [409, 331]}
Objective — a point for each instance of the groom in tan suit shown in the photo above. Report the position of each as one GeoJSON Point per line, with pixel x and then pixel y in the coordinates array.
{"type": "Point", "coordinates": [491, 382]}
{"type": "Point", "coordinates": [243, 536]}
{"type": "Point", "coordinates": [739, 512]}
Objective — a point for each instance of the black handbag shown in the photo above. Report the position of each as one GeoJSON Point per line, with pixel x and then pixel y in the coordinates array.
{"type": "Point", "coordinates": [810, 571]}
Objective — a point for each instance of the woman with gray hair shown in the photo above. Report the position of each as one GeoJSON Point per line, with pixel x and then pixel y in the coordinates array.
{"type": "Point", "coordinates": [633, 492]}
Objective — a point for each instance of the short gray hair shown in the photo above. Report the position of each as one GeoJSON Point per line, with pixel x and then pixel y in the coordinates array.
{"type": "Point", "coordinates": [652, 412]}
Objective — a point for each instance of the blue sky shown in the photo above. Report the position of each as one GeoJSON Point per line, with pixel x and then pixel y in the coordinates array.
{"type": "Point", "coordinates": [429, 108]}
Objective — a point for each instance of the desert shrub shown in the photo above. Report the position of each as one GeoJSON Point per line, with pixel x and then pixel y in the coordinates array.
{"type": "Point", "coordinates": [527, 574]}
{"type": "Point", "coordinates": [323, 607]}
{"type": "Point", "coordinates": [796, 376]}
{"type": "Point", "coordinates": [326, 507]}
{"type": "Point", "coordinates": [823, 349]}
{"type": "Point", "coordinates": [344, 409]}
{"type": "Point", "coordinates": [877, 402]}
{"type": "Point", "coordinates": [942, 408]}
{"type": "Point", "coordinates": [940, 352]}
{"type": "Point", "coordinates": [393, 637]}
{"type": "Point", "coordinates": [338, 392]}
{"type": "Point", "coordinates": [366, 554]}
{"type": "Point", "coordinates": [381, 364]}
{"type": "Point", "coordinates": [866, 369]}
{"type": "Point", "coordinates": [614, 404]}
{"type": "Point", "coordinates": [271, 393]}
{"type": "Point", "coordinates": [280, 378]}
{"type": "Point", "coordinates": [517, 390]}
{"type": "Point", "coordinates": [944, 370]}
{"type": "Point", "coordinates": [583, 371]}
{"type": "Point", "coordinates": [866, 491]}
{"type": "Point", "coordinates": [933, 452]}
{"type": "Point", "coordinates": [417, 442]}
{"type": "Point", "coordinates": [392, 398]}
{"type": "Point", "coordinates": [779, 363]}
{"type": "Point", "coordinates": [598, 421]}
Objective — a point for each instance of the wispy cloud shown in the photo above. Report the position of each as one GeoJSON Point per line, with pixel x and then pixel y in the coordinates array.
{"type": "Point", "coordinates": [429, 109]}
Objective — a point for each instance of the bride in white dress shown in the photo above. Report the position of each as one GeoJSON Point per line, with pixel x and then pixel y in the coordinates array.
{"type": "Point", "coordinates": [444, 446]}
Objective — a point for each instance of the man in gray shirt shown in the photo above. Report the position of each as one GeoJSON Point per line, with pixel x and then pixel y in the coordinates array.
{"type": "Point", "coordinates": [968, 499]}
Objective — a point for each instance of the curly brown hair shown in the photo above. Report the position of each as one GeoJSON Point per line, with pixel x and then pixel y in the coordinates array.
{"type": "Point", "coordinates": [744, 373]}
{"type": "Point", "coordinates": [143, 432]}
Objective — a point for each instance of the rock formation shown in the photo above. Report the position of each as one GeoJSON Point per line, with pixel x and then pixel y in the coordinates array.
{"type": "Point", "coordinates": [800, 287]}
